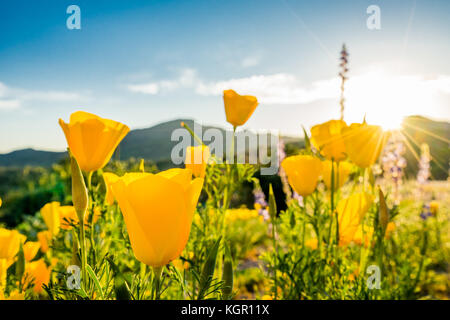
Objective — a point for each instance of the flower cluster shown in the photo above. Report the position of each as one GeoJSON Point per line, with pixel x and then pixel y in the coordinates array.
{"type": "Point", "coordinates": [261, 203]}
{"type": "Point", "coordinates": [393, 164]}
{"type": "Point", "coordinates": [424, 164]}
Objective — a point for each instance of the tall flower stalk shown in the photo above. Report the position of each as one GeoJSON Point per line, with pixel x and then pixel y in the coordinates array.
{"type": "Point", "coordinates": [344, 77]}
{"type": "Point", "coordinates": [284, 180]}
{"type": "Point", "coordinates": [80, 201]}
{"type": "Point", "coordinates": [393, 164]}
{"type": "Point", "coordinates": [424, 167]}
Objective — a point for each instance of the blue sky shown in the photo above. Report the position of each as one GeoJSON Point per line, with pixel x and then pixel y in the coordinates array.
{"type": "Point", "coordinates": [143, 62]}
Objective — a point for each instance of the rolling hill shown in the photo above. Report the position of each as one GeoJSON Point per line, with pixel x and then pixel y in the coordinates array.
{"type": "Point", "coordinates": [155, 144]}
{"type": "Point", "coordinates": [152, 143]}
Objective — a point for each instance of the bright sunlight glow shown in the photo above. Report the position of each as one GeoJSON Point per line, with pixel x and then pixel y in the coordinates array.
{"type": "Point", "coordinates": [385, 99]}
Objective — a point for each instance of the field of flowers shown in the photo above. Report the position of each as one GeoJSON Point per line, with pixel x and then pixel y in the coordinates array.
{"type": "Point", "coordinates": [353, 227]}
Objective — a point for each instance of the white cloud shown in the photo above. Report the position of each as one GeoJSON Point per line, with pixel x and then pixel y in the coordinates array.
{"type": "Point", "coordinates": [187, 79]}
{"type": "Point", "coordinates": [3, 90]}
{"type": "Point", "coordinates": [280, 88]}
{"type": "Point", "coordinates": [285, 88]}
{"type": "Point", "coordinates": [251, 61]}
{"type": "Point", "coordinates": [51, 96]}
{"type": "Point", "coordinates": [146, 88]}
{"type": "Point", "coordinates": [9, 104]}
{"type": "Point", "coordinates": [12, 98]}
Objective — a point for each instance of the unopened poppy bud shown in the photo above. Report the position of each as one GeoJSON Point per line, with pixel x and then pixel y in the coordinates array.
{"type": "Point", "coordinates": [79, 190]}
{"type": "Point", "coordinates": [384, 212]}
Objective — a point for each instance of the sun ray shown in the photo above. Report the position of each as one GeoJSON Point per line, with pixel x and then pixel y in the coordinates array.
{"type": "Point", "coordinates": [407, 137]}
{"type": "Point", "coordinates": [431, 134]}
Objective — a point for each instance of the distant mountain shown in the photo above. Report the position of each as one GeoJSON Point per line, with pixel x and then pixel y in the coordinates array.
{"type": "Point", "coordinates": [30, 157]}
{"type": "Point", "coordinates": [155, 144]}
{"type": "Point", "coordinates": [152, 143]}
{"type": "Point", "coordinates": [418, 130]}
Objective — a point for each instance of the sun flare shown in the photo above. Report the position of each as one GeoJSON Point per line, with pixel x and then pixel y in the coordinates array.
{"type": "Point", "coordinates": [385, 99]}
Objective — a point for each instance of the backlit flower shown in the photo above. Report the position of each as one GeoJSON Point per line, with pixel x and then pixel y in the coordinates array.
{"type": "Point", "coordinates": [197, 160]}
{"type": "Point", "coordinates": [10, 241]}
{"type": "Point", "coordinates": [38, 274]}
{"type": "Point", "coordinates": [303, 173]}
{"type": "Point", "coordinates": [92, 139]}
{"type": "Point", "coordinates": [44, 238]}
{"type": "Point", "coordinates": [158, 210]}
{"type": "Point", "coordinates": [30, 249]}
{"type": "Point", "coordinates": [351, 211]}
{"type": "Point", "coordinates": [109, 178]}
{"type": "Point", "coordinates": [238, 109]}
{"type": "Point", "coordinates": [364, 143]}
{"type": "Point", "coordinates": [328, 139]}
{"type": "Point", "coordinates": [50, 214]}
{"type": "Point", "coordinates": [341, 173]}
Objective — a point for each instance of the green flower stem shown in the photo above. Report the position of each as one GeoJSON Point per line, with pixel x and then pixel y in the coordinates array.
{"type": "Point", "coordinates": [157, 271]}
{"type": "Point", "coordinates": [305, 214]}
{"type": "Point", "coordinates": [83, 254]}
{"type": "Point", "coordinates": [226, 204]}
{"type": "Point", "coordinates": [423, 251]}
{"type": "Point", "coordinates": [89, 180]}
{"type": "Point", "coordinates": [196, 138]}
{"type": "Point", "coordinates": [91, 213]}
{"type": "Point", "coordinates": [335, 187]}
{"type": "Point", "coordinates": [275, 248]}
{"type": "Point", "coordinates": [331, 203]}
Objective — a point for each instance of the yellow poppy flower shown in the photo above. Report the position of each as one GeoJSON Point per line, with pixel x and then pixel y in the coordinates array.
{"type": "Point", "coordinates": [232, 215]}
{"type": "Point", "coordinates": [351, 211]}
{"type": "Point", "coordinates": [15, 295]}
{"type": "Point", "coordinates": [10, 241]}
{"type": "Point", "coordinates": [197, 160]}
{"type": "Point", "coordinates": [341, 172]}
{"type": "Point", "coordinates": [3, 271]}
{"type": "Point", "coordinates": [109, 179]}
{"type": "Point", "coordinates": [434, 207]}
{"type": "Point", "coordinates": [364, 143]}
{"type": "Point", "coordinates": [67, 214]}
{"type": "Point", "coordinates": [30, 249]}
{"type": "Point", "coordinates": [303, 172]}
{"type": "Point", "coordinates": [328, 139]}
{"type": "Point", "coordinates": [1, 202]}
{"type": "Point", "coordinates": [97, 214]}
{"type": "Point", "coordinates": [37, 274]}
{"type": "Point", "coordinates": [158, 211]}
{"type": "Point", "coordinates": [50, 214]}
{"type": "Point", "coordinates": [390, 229]}
{"type": "Point", "coordinates": [312, 243]}
{"type": "Point", "coordinates": [363, 236]}
{"type": "Point", "coordinates": [238, 109]}
{"type": "Point", "coordinates": [91, 139]}
{"type": "Point", "coordinates": [44, 238]}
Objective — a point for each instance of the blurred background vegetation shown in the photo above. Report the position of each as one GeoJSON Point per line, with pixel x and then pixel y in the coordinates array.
{"type": "Point", "coordinates": [29, 178]}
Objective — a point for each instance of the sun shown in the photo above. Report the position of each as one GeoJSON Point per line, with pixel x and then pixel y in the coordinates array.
{"type": "Point", "coordinates": [384, 99]}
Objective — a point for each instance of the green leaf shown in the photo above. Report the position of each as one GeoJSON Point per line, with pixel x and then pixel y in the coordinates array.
{"type": "Point", "coordinates": [120, 284]}
{"type": "Point", "coordinates": [208, 270]}
{"type": "Point", "coordinates": [20, 264]}
{"type": "Point", "coordinates": [227, 275]}
{"type": "Point", "coordinates": [307, 141]}
{"type": "Point", "coordinates": [384, 212]}
{"type": "Point", "coordinates": [75, 250]}
{"type": "Point", "coordinates": [96, 282]}
{"type": "Point", "coordinates": [272, 204]}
